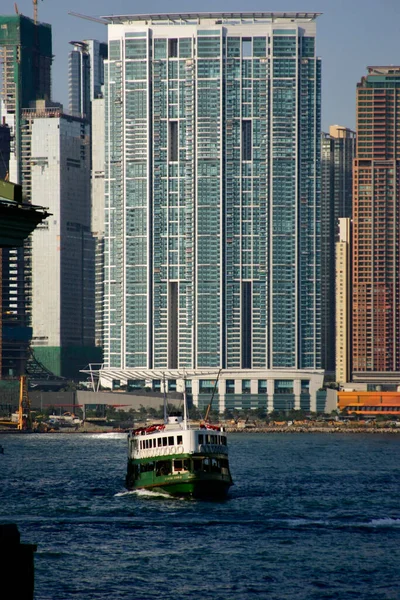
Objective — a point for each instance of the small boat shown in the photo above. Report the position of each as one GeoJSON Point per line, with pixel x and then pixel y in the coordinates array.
{"type": "Point", "coordinates": [173, 457]}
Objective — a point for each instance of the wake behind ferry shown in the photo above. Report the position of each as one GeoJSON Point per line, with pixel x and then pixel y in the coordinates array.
{"type": "Point", "coordinates": [174, 458]}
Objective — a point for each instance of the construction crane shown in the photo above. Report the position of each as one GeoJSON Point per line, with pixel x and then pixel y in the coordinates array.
{"type": "Point", "coordinates": [35, 11]}
{"type": "Point", "coordinates": [24, 410]}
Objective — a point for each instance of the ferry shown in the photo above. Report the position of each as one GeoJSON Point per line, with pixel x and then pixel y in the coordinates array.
{"type": "Point", "coordinates": [182, 461]}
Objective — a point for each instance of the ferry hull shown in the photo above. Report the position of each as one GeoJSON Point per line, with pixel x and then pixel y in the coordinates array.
{"type": "Point", "coordinates": [201, 485]}
{"type": "Point", "coordinates": [195, 489]}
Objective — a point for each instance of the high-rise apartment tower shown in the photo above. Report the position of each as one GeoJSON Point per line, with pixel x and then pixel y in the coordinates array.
{"type": "Point", "coordinates": [376, 223]}
{"type": "Point", "coordinates": [212, 243]}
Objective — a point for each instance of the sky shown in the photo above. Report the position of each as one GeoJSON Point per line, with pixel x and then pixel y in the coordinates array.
{"type": "Point", "coordinates": [351, 35]}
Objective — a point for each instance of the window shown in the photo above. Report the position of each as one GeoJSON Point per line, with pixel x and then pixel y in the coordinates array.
{"type": "Point", "coordinates": [165, 441]}
{"type": "Point", "coordinates": [201, 438]}
{"type": "Point", "coordinates": [230, 386]}
{"type": "Point", "coordinates": [247, 49]}
{"type": "Point", "coordinates": [173, 141]}
{"type": "Point", "coordinates": [179, 440]}
{"type": "Point", "coordinates": [171, 440]}
{"type": "Point", "coordinates": [262, 386]}
{"type": "Point", "coordinates": [246, 383]}
{"type": "Point", "coordinates": [246, 140]}
{"type": "Point", "coordinates": [173, 48]}
{"type": "Point", "coordinates": [197, 464]}
{"type": "Point", "coordinates": [163, 467]}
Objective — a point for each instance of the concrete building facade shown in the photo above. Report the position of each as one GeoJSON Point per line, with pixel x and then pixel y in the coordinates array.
{"type": "Point", "coordinates": [343, 302]}
{"type": "Point", "coordinates": [63, 246]}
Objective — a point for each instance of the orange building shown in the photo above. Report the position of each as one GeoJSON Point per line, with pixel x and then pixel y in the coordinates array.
{"type": "Point", "coordinates": [370, 403]}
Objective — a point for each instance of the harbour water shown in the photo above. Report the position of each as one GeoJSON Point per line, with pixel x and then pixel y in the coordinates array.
{"type": "Point", "coordinates": [311, 516]}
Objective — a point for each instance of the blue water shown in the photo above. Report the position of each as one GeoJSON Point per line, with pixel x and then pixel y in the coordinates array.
{"type": "Point", "coordinates": [311, 516]}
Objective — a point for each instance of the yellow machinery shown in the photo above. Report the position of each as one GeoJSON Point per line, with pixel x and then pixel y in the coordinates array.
{"type": "Point", "coordinates": [24, 411]}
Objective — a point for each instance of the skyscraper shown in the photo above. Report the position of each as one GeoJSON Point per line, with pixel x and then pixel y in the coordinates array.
{"type": "Point", "coordinates": [25, 65]}
{"type": "Point", "coordinates": [62, 246]}
{"type": "Point", "coordinates": [212, 243]}
{"type": "Point", "coordinates": [343, 302]}
{"type": "Point", "coordinates": [25, 76]}
{"type": "Point", "coordinates": [376, 224]}
{"type": "Point", "coordinates": [86, 81]}
{"type": "Point", "coordinates": [338, 151]}
{"type": "Point", "coordinates": [85, 75]}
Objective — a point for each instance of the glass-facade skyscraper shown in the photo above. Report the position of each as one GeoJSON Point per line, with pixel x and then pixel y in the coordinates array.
{"type": "Point", "coordinates": [85, 76]}
{"type": "Point", "coordinates": [212, 175]}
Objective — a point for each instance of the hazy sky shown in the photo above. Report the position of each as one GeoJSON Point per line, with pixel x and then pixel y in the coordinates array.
{"type": "Point", "coordinates": [351, 35]}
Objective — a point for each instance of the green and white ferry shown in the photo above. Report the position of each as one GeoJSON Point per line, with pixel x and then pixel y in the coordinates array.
{"type": "Point", "coordinates": [174, 458]}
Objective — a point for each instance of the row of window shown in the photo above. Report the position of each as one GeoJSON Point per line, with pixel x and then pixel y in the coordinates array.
{"type": "Point", "coordinates": [170, 441]}
{"type": "Point", "coordinates": [166, 467]}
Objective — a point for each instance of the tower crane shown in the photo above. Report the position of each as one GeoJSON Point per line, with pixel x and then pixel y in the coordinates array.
{"type": "Point", "coordinates": [35, 11]}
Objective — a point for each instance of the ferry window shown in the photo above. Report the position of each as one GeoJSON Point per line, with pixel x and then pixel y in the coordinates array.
{"type": "Point", "coordinates": [179, 440]}
{"type": "Point", "coordinates": [223, 440]}
{"type": "Point", "coordinates": [165, 441]}
{"type": "Point", "coordinates": [150, 443]}
{"type": "Point", "coordinates": [215, 466]}
{"type": "Point", "coordinates": [201, 438]}
{"type": "Point", "coordinates": [178, 465]}
{"type": "Point", "coordinates": [197, 464]}
{"type": "Point", "coordinates": [213, 439]}
{"type": "Point", "coordinates": [171, 440]}
{"type": "Point", "coordinates": [159, 442]}
{"type": "Point", "coordinates": [186, 464]}
{"type": "Point", "coordinates": [208, 437]}
{"type": "Point", "coordinates": [146, 467]}
{"type": "Point", "coordinates": [147, 443]}
{"type": "Point", "coordinates": [163, 467]}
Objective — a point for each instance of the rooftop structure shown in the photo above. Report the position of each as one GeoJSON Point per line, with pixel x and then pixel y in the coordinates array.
{"type": "Point", "coordinates": [201, 17]}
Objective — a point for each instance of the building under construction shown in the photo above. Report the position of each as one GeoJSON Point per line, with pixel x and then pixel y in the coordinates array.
{"type": "Point", "coordinates": [25, 76]}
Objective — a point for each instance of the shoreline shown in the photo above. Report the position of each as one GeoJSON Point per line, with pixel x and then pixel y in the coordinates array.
{"type": "Point", "coordinates": [291, 429]}
{"type": "Point", "coordinates": [311, 429]}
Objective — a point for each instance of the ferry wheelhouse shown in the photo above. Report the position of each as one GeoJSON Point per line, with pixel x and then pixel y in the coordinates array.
{"type": "Point", "coordinates": [179, 460]}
